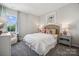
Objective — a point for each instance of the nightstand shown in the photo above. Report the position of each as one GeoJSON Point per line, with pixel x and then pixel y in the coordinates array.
{"type": "Point", "coordinates": [67, 40]}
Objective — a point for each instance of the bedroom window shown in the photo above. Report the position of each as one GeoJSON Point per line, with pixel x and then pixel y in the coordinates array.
{"type": "Point", "coordinates": [11, 17]}
{"type": "Point", "coordinates": [11, 23]}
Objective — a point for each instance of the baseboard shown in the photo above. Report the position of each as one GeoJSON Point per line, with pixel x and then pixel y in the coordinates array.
{"type": "Point", "coordinates": [75, 45]}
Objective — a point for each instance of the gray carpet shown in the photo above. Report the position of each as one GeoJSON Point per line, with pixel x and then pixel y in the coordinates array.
{"type": "Point", "coordinates": [20, 49]}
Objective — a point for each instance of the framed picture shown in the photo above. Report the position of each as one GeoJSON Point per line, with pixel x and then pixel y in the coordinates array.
{"type": "Point", "coordinates": [51, 18]}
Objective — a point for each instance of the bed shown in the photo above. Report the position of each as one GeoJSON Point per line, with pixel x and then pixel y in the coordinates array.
{"type": "Point", "coordinates": [42, 43]}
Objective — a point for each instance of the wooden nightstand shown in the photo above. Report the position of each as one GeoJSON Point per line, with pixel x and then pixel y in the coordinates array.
{"type": "Point", "coordinates": [67, 40]}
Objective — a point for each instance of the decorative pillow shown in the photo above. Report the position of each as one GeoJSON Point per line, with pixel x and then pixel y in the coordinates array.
{"type": "Point", "coordinates": [43, 30]}
{"type": "Point", "coordinates": [48, 31]}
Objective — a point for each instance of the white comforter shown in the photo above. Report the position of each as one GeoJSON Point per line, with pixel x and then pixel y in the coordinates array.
{"type": "Point", "coordinates": [40, 42]}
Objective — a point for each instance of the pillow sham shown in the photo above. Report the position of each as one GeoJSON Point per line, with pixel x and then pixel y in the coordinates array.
{"type": "Point", "coordinates": [42, 30]}
{"type": "Point", "coordinates": [48, 31]}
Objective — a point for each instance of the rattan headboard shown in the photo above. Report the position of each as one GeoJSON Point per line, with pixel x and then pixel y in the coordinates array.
{"type": "Point", "coordinates": [52, 26]}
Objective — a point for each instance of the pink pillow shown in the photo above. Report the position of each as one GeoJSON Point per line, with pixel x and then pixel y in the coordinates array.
{"type": "Point", "coordinates": [47, 31]}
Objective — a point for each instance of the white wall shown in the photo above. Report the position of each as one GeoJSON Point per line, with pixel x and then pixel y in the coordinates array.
{"type": "Point", "coordinates": [27, 24]}
{"type": "Point", "coordinates": [69, 13]}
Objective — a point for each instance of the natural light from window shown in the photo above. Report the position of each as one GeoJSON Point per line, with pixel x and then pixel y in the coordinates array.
{"type": "Point", "coordinates": [11, 23]}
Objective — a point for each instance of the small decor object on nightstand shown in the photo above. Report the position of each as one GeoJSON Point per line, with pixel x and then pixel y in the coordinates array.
{"type": "Point", "coordinates": [64, 33]}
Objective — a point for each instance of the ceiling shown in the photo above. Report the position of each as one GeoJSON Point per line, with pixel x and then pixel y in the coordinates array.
{"type": "Point", "coordinates": [37, 9]}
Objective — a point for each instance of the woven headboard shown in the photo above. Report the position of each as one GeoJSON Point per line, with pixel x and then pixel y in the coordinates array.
{"type": "Point", "coordinates": [52, 26]}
